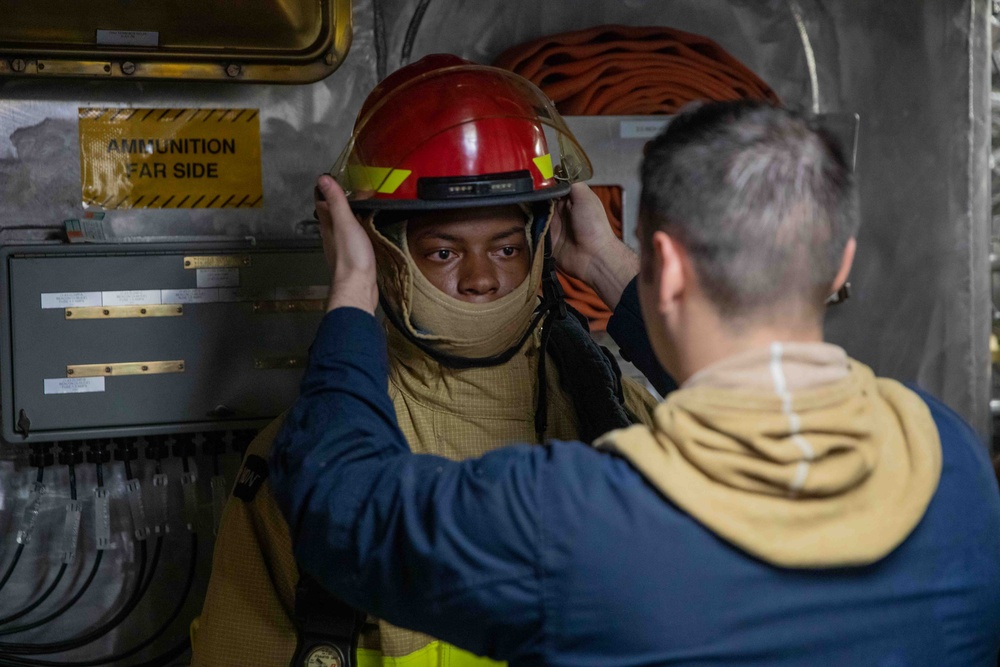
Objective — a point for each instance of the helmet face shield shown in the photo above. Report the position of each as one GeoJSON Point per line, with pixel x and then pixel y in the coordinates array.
{"type": "Point", "coordinates": [459, 136]}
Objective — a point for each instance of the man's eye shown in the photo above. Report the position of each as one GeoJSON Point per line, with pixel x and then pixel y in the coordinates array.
{"type": "Point", "coordinates": [509, 251]}
{"type": "Point", "coordinates": [442, 254]}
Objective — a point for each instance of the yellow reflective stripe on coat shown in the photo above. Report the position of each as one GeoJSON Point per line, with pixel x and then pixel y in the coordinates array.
{"type": "Point", "coordinates": [435, 654]}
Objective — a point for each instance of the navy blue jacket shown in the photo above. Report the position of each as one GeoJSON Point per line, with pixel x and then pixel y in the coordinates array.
{"type": "Point", "coordinates": [565, 555]}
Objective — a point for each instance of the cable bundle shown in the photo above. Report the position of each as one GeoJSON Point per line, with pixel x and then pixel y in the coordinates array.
{"type": "Point", "coordinates": [623, 70]}
{"type": "Point", "coordinates": [22, 654]}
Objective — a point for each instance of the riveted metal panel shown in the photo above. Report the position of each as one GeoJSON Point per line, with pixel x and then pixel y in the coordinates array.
{"type": "Point", "coordinates": [92, 376]}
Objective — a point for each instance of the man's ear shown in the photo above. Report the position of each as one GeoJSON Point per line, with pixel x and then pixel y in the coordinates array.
{"type": "Point", "coordinates": [846, 260]}
{"type": "Point", "coordinates": [668, 270]}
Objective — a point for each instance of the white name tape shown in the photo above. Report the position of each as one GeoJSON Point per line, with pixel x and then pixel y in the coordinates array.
{"type": "Point", "coordinates": [72, 300]}
{"type": "Point", "coordinates": [641, 129]}
{"type": "Point", "coordinates": [218, 278]}
{"type": "Point", "coordinates": [73, 385]}
{"type": "Point", "coordinates": [135, 297]}
{"type": "Point", "coordinates": [170, 296]}
{"type": "Point", "coordinates": [128, 38]}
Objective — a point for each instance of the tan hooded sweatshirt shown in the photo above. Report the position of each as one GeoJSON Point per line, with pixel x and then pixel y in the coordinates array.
{"type": "Point", "coordinates": [796, 454]}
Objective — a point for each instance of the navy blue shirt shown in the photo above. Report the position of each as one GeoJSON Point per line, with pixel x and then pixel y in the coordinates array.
{"type": "Point", "coordinates": [565, 555]}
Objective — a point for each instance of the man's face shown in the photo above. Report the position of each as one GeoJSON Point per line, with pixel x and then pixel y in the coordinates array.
{"type": "Point", "coordinates": [473, 254]}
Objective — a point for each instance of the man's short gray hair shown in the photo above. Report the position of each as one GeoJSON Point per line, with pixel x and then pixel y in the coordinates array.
{"type": "Point", "coordinates": [760, 197]}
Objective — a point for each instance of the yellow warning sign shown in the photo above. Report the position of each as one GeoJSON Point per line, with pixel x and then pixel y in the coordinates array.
{"type": "Point", "coordinates": [170, 158]}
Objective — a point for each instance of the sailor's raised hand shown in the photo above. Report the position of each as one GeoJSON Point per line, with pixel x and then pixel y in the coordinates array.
{"type": "Point", "coordinates": [585, 246]}
{"type": "Point", "coordinates": [348, 250]}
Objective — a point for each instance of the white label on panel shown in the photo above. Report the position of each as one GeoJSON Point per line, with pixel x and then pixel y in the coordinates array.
{"type": "Point", "coordinates": [641, 129]}
{"type": "Point", "coordinates": [161, 491]}
{"type": "Point", "coordinates": [71, 531]}
{"type": "Point", "coordinates": [218, 277]}
{"type": "Point", "coordinates": [73, 385]}
{"type": "Point", "coordinates": [189, 295]}
{"type": "Point", "coordinates": [128, 38]}
{"type": "Point", "coordinates": [102, 518]}
{"type": "Point", "coordinates": [246, 294]}
{"type": "Point", "coordinates": [301, 292]}
{"type": "Point", "coordinates": [189, 483]}
{"type": "Point", "coordinates": [140, 528]}
{"type": "Point", "coordinates": [134, 297]}
{"type": "Point", "coordinates": [71, 299]}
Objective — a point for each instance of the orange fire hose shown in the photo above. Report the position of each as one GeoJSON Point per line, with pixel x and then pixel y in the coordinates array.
{"type": "Point", "coordinates": [623, 70]}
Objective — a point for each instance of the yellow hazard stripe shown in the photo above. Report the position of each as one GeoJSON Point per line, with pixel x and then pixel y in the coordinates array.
{"type": "Point", "coordinates": [544, 164]}
{"type": "Point", "coordinates": [435, 654]}
{"type": "Point", "coordinates": [380, 179]}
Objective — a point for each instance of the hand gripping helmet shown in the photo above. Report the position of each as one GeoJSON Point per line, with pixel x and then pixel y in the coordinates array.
{"type": "Point", "coordinates": [446, 133]}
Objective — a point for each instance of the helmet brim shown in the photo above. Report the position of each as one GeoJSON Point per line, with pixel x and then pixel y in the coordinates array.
{"type": "Point", "coordinates": [376, 204]}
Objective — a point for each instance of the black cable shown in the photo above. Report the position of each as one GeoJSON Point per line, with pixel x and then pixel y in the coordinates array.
{"type": "Point", "coordinates": [84, 639]}
{"type": "Point", "coordinates": [180, 648]}
{"type": "Point", "coordinates": [164, 658]}
{"type": "Point", "coordinates": [553, 301]}
{"type": "Point", "coordinates": [34, 605]}
{"type": "Point", "coordinates": [63, 609]}
{"type": "Point", "coordinates": [20, 546]}
{"type": "Point", "coordinates": [411, 32]}
{"type": "Point", "coordinates": [87, 637]}
{"type": "Point", "coordinates": [59, 575]}
{"type": "Point", "coordinates": [70, 458]}
{"type": "Point", "coordinates": [13, 564]}
{"type": "Point", "coordinates": [153, 564]}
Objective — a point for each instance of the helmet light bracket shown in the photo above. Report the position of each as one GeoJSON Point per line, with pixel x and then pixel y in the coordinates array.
{"type": "Point", "coordinates": [465, 187]}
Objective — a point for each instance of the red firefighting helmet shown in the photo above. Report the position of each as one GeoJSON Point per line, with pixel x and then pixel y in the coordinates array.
{"type": "Point", "coordinates": [446, 133]}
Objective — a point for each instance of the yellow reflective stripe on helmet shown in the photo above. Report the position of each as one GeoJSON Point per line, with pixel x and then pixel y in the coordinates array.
{"type": "Point", "coordinates": [435, 654]}
{"type": "Point", "coordinates": [544, 164]}
{"type": "Point", "coordinates": [380, 179]}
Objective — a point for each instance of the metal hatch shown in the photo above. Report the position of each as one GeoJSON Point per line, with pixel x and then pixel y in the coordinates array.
{"type": "Point", "coordinates": [273, 41]}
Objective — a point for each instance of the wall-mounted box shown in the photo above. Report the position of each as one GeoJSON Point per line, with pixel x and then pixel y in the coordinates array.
{"type": "Point", "coordinates": [119, 340]}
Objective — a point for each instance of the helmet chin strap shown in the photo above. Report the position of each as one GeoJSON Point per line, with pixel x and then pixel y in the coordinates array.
{"type": "Point", "coordinates": [552, 296]}
{"type": "Point", "coordinates": [552, 307]}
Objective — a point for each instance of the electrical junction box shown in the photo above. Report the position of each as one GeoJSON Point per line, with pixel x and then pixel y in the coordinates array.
{"type": "Point", "coordinates": [126, 340]}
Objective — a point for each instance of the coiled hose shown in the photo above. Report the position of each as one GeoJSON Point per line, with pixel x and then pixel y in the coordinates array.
{"type": "Point", "coordinates": [624, 70]}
